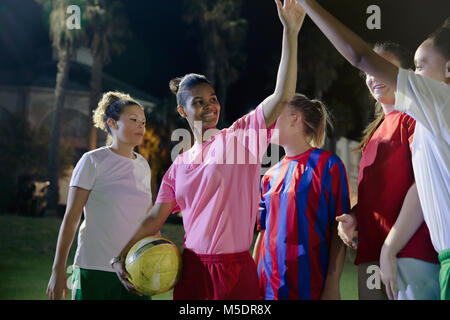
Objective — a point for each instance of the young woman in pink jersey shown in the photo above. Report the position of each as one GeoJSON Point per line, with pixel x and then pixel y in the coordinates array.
{"type": "Point", "coordinates": [298, 251]}
{"type": "Point", "coordinates": [215, 183]}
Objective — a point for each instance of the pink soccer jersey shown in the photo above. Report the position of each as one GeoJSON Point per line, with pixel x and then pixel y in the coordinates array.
{"type": "Point", "coordinates": [299, 199]}
{"type": "Point", "coordinates": [216, 186]}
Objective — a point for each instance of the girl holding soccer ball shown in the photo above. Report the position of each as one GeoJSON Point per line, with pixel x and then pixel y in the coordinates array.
{"type": "Point", "coordinates": [217, 195]}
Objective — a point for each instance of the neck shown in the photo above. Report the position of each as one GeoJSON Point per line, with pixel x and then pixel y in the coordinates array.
{"type": "Point", "coordinates": [388, 108]}
{"type": "Point", "coordinates": [123, 149]}
{"type": "Point", "coordinates": [201, 135]}
{"type": "Point", "coordinates": [296, 147]}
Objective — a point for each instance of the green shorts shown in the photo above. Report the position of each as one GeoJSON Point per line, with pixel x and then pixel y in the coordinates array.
{"type": "Point", "coordinates": [444, 274]}
{"type": "Point", "coordinates": [99, 285]}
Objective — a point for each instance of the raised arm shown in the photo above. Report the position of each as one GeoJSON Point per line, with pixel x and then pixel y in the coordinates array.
{"type": "Point", "coordinates": [291, 15]}
{"type": "Point", "coordinates": [350, 45]}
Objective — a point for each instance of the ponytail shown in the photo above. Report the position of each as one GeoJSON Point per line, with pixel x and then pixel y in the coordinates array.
{"type": "Point", "coordinates": [111, 105]}
{"type": "Point", "coordinates": [315, 118]}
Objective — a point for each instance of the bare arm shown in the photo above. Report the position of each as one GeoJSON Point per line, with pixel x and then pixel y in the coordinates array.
{"type": "Point", "coordinates": [148, 227]}
{"type": "Point", "coordinates": [291, 15]}
{"type": "Point", "coordinates": [408, 222]}
{"type": "Point", "coordinates": [76, 200]}
{"type": "Point", "coordinates": [351, 46]}
{"type": "Point", "coordinates": [258, 243]}
{"type": "Point", "coordinates": [335, 266]}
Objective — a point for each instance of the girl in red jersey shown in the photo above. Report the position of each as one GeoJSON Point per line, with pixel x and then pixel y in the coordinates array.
{"type": "Point", "coordinates": [423, 95]}
{"type": "Point", "coordinates": [386, 196]}
{"type": "Point", "coordinates": [298, 251]}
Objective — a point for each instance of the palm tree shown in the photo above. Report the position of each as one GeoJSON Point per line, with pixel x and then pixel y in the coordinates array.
{"type": "Point", "coordinates": [65, 41]}
{"type": "Point", "coordinates": [107, 27]}
{"type": "Point", "coordinates": [223, 32]}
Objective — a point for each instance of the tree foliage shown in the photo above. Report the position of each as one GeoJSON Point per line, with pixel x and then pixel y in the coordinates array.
{"type": "Point", "coordinates": [25, 152]}
{"type": "Point", "coordinates": [221, 33]}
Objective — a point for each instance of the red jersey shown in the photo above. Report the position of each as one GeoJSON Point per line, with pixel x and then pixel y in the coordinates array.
{"type": "Point", "coordinates": [385, 176]}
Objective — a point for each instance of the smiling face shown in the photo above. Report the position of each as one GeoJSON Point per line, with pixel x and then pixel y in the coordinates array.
{"type": "Point", "coordinates": [201, 105]}
{"type": "Point", "coordinates": [130, 128]}
{"type": "Point", "coordinates": [378, 89]}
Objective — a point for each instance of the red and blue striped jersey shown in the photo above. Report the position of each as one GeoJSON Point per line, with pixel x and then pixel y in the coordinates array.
{"type": "Point", "coordinates": [299, 200]}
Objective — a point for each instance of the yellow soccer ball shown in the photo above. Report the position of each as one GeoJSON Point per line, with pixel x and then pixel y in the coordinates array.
{"type": "Point", "coordinates": [154, 265]}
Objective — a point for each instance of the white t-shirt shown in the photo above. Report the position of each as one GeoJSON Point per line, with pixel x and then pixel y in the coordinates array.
{"type": "Point", "coordinates": [428, 102]}
{"type": "Point", "coordinates": [119, 199]}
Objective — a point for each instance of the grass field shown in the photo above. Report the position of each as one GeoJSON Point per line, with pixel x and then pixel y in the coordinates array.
{"type": "Point", "coordinates": [27, 248]}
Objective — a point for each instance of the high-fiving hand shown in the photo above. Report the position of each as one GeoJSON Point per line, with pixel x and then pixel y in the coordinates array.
{"type": "Point", "coordinates": [291, 14]}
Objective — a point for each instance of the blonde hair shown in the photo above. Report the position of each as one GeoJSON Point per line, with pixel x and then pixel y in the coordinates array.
{"type": "Point", "coordinates": [315, 118]}
{"type": "Point", "coordinates": [102, 113]}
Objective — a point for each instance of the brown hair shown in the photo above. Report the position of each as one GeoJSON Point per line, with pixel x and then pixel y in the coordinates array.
{"type": "Point", "coordinates": [371, 127]}
{"type": "Point", "coordinates": [405, 58]}
{"type": "Point", "coordinates": [315, 118]}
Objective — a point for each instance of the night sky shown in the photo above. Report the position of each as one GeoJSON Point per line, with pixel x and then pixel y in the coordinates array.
{"type": "Point", "coordinates": [162, 48]}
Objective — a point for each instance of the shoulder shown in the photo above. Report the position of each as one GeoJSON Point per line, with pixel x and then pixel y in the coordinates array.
{"type": "Point", "coordinates": [420, 87]}
{"type": "Point", "coordinates": [142, 165]}
{"type": "Point", "coordinates": [93, 158]}
{"type": "Point", "coordinates": [171, 172]}
{"type": "Point", "coordinates": [272, 171]}
{"type": "Point", "coordinates": [97, 155]}
{"type": "Point", "coordinates": [406, 118]}
{"type": "Point", "coordinates": [331, 158]}
{"type": "Point", "coordinates": [183, 158]}
{"type": "Point", "coordinates": [413, 78]}
{"type": "Point", "coordinates": [252, 120]}
{"type": "Point", "coordinates": [142, 160]}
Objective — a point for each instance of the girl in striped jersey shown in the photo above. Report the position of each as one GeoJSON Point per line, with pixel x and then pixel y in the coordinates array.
{"type": "Point", "coordinates": [298, 252]}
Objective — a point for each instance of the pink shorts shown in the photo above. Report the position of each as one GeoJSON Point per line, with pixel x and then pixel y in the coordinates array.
{"type": "Point", "coordinates": [230, 276]}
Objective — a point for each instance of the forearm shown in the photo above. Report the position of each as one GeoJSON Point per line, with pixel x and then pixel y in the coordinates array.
{"type": "Point", "coordinates": [76, 199]}
{"type": "Point", "coordinates": [336, 257]}
{"type": "Point", "coordinates": [287, 70]}
{"type": "Point", "coordinates": [147, 228]}
{"type": "Point", "coordinates": [286, 78]}
{"type": "Point", "coordinates": [408, 222]}
{"type": "Point", "coordinates": [150, 225]}
{"type": "Point", "coordinates": [350, 45]}
{"type": "Point", "coordinates": [258, 243]}
{"type": "Point", "coordinates": [66, 235]}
